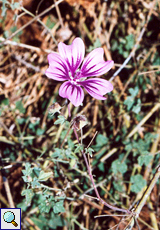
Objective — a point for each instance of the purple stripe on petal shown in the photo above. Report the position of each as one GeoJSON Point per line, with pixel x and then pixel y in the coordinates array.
{"type": "Point", "coordinates": [72, 92]}
{"type": "Point", "coordinates": [58, 69]}
{"type": "Point", "coordinates": [94, 64]}
{"type": "Point", "coordinates": [73, 54]}
{"type": "Point", "coordinates": [97, 87]}
{"type": "Point", "coordinates": [54, 75]}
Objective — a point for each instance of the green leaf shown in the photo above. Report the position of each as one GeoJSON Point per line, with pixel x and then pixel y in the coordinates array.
{"type": "Point", "coordinates": [142, 146]}
{"type": "Point", "coordinates": [39, 131]}
{"type": "Point", "coordinates": [101, 140]}
{"type": "Point", "coordinates": [35, 183]}
{"type": "Point", "coordinates": [27, 179]}
{"type": "Point", "coordinates": [4, 8]}
{"type": "Point", "coordinates": [16, 37]}
{"type": "Point", "coordinates": [69, 154]}
{"type": "Point", "coordinates": [151, 137]}
{"type": "Point", "coordinates": [28, 193]}
{"type": "Point", "coordinates": [118, 166]}
{"type": "Point", "coordinates": [15, 5]}
{"type": "Point", "coordinates": [5, 101]}
{"type": "Point", "coordinates": [89, 150]}
{"type": "Point", "coordinates": [19, 106]}
{"type": "Point", "coordinates": [134, 91]}
{"type": "Point", "coordinates": [138, 183]}
{"type": "Point", "coordinates": [129, 102]}
{"type": "Point", "coordinates": [58, 207]}
{"type": "Point", "coordinates": [56, 172]}
{"type": "Point", "coordinates": [95, 45]}
{"type": "Point", "coordinates": [21, 120]}
{"type": "Point", "coordinates": [144, 159]}
{"type": "Point", "coordinates": [79, 148]}
{"type": "Point", "coordinates": [61, 120]}
{"type": "Point", "coordinates": [22, 205]}
{"type": "Point", "coordinates": [114, 44]}
{"type": "Point", "coordinates": [41, 222]}
{"type": "Point", "coordinates": [50, 23]}
{"type": "Point", "coordinates": [137, 108]}
{"type": "Point", "coordinates": [118, 185]}
{"type": "Point", "coordinates": [44, 207]}
{"type": "Point", "coordinates": [44, 176]}
{"type": "Point", "coordinates": [28, 170]}
{"type": "Point", "coordinates": [130, 42]}
{"type": "Point", "coordinates": [101, 166]}
{"type": "Point", "coordinates": [70, 143]}
{"type": "Point", "coordinates": [156, 60]}
{"type": "Point", "coordinates": [36, 171]}
{"type": "Point", "coordinates": [73, 163]}
{"type": "Point", "coordinates": [32, 126]}
{"type": "Point", "coordinates": [56, 221]}
{"type": "Point", "coordinates": [58, 153]}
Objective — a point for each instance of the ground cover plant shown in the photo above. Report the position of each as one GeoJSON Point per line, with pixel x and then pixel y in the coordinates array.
{"type": "Point", "coordinates": [79, 113]}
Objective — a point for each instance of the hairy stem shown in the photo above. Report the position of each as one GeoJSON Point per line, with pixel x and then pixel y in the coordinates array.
{"type": "Point", "coordinates": [94, 186]}
{"type": "Point", "coordinates": [96, 191]}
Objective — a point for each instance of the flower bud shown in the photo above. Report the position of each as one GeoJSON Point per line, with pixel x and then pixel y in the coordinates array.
{"type": "Point", "coordinates": [54, 108]}
{"type": "Point", "coordinates": [79, 122]}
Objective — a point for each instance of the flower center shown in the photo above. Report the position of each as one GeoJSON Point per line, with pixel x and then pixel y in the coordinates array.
{"type": "Point", "coordinates": [76, 78]}
{"type": "Point", "coordinates": [73, 81]}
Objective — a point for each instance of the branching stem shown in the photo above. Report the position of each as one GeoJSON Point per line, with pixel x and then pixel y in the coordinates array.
{"type": "Point", "coordinates": [94, 186]}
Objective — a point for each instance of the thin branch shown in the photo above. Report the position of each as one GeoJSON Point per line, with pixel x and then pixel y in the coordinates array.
{"type": "Point", "coordinates": [9, 133]}
{"type": "Point", "coordinates": [28, 65]}
{"type": "Point", "coordinates": [32, 20]}
{"type": "Point", "coordinates": [92, 139]}
{"type": "Point", "coordinates": [154, 109]}
{"type": "Point", "coordinates": [143, 199]}
{"type": "Point", "coordinates": [13, 43]}
{"type": "Point", "coordinates": [59, 14]}
{"type": "Point", "coordinates": [48, 30]}
{"type": "Point", "coordinates": [6, 185]}
{"type": "Point", "coordinates": [135, 46]}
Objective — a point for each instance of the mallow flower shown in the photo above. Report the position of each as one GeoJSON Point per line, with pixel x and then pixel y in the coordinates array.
{"type": "Point", "coordinates": [67, 66]}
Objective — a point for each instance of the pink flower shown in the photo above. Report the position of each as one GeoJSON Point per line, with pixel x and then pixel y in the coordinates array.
{"type": "Point", "coordinates": [65, 67]}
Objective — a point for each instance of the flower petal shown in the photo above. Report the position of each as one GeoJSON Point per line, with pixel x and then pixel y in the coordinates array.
{"type": "Point", "coordinates": [58, 69]}
{"type": "Point", "coordinates": [72, 92]}
{"type": "Point", "coordinates": [94, 64]}
{"type": "Point", "coordinates": [73, 54]}
{"type": "Point", "coordinates": [97, 87]}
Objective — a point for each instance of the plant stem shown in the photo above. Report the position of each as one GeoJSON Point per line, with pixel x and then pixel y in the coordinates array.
{"type": "Point", "coordinates": [94, 186]}
{"type": "Point", "coordinates": [96, 191]}
{"type": "Point", "coordinates": [69, 110]}
{"type": "Point", "coordinates": [65, 137]}
{"type": "Point", "coordinates": [75, 132]}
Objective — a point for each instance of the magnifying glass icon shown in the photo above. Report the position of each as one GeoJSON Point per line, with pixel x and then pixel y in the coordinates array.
{"type": "Point", "coordinates": [9, 217]}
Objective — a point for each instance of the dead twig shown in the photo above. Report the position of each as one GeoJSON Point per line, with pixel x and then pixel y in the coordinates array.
{"type": "Point", "coordinates": [31, 21]}
{"type": "Point", "coordinates": [143, 199]}
{"type": "Point", "coordinates": [136, 45]}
